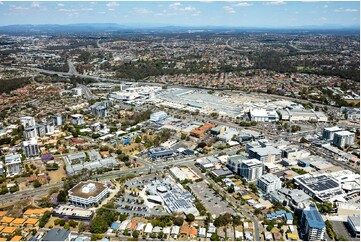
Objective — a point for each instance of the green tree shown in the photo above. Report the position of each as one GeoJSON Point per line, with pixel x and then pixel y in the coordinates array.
{"type": "Point", "coordinates": [62, 197]}
{"type": "Point", "coordinates": [214, 237]}
{"type": "Point", "coordinates": [135, 234]}
{"type": "Point", "coordinates": [190, 217]}
{"type": "Point", "coordinates": [178, 221]}
{"type": "Point", "coordinates": [36, 184]}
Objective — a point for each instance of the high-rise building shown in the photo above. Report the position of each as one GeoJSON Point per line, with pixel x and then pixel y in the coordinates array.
{"type": "Point", "coordinates": [312, 225]}
{"type": "Point", "coordinates": [27, 121]}
{"type": "Point", "coordinates": [30, 132]}
{"type": "Point", "coordinates": [13, 165]}
{"type": "Point", "coordinates": [251, 169]}
{"type": "Point", "coordinates": [234, 163]}
{"type": "Point", "coordinates": [58, 119]}
{"type": "Point", "coordinates": [269, 183]}
{"type": "Point", "coordinates": [343, 138]}
{"type": "Point", "coordinates": [328, 133]}
{"type": "Point", "coordinates": [77, 119]}
{"type": "Point", "coordinates": [31, 148]}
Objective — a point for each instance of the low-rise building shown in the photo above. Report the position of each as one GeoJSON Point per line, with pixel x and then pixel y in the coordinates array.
{"type": "Point", "coordinates": [353, 225]}
{"type": "Point", "coordinates": [158, 116]}
{"type": "Point", "coordinates": [57, 235]}
{"type": "Point", "coordinates": [87, 194]}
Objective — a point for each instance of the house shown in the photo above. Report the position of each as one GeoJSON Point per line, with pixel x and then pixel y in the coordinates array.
{"type": "Point", "coordinates": [193, 232]}
{"type": "Point", "coordinates": [6, 220]}
{"type": "Point", "coordinates": [31, 222]}
{"type": "Point", "coordinates": [8, 231]}
{"type": "Point", "coordinates": [148, 228]}
{"type": "Point", "coordinates": [18, 222]}
{"type": "Point", "coordinates": [184, 230]}
{"type": "Point", "coordinates": [202, 232]}
{"type": "Point", "coordinates": [175, 230]}
{"type": "Point", "coordinates": [57, 235]}
{"type": "Point", "coordinates": [17, 238]}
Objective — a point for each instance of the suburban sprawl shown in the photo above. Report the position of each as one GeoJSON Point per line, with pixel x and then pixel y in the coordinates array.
{"type": "Point", "coordinates": [200, 135]}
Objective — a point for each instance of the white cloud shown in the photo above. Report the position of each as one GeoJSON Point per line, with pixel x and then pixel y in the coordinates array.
{"type": "Point", "coordinates": [229, 9]}
{"type": "Point", "coordinates": [325, 6]}
{"type": "Point", "coordinates": [60, 5]}
{"type": "Point", "coordinates": [175, 5]}
{"type": "Point", "coordinates": [274, 3]}
{"type": "Point", "coordinates": [18, 8]}
{"type": "Point", "coordinates": [197, 13]}
{"type": "Point", "coordinates": [141, 10]}
{"type": "Point", "coordinates": [346, 10]}
{"type": "Point", "coordinates": [86, 9]}
{"type": "Point", "coordinates": [1, 3]}
{"type": "Point", "coordinates": [67, 10]}
{"type": "Point", "coordinates": [35, 4]}
{"type": "Point", "coordinates": [189, 9]}
{"type": "Point", "coordinates": [243, 4]}
{"type": "Point", "coordinates": [102, 12]}
{"type": "Point", "coordinates": [112, 5]}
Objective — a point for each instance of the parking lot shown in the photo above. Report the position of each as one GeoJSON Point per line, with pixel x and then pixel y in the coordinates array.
{"type": "Point", "coordinates": [341, 230]}
{"type": "Point", "coordinates": [130, 204]}
{"type": "Point", "coordinates": [210, 199]}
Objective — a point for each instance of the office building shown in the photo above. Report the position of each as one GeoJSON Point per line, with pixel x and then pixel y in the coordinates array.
{"type": "Point", "coordinates": [158, 116]}
{"type": "Point", "coordinates": [328, 133]}
{"type": "Point", "coordinates": [234, 163]}
{"type": "Point", "coordinates": [77, 119]}
{"type": "Point", "coordinates": [353, 225]}
{"type": "Point", "coordinates": [343, 138]}
{"type": "Point", "coordinates": [265, 154]}
{"type": "Point", "coordinates": [269, 182]}
{"type": "Point", "coordinates": [58, 119]}
{"type": "Point", "coordinates": [251, 169]}
{"type": "Point", "coordinates": [30, 148]}
{"type": "Point", "coordinates": [27, 121]}
{"type": "Point", "coordinates": [87, 194]}
{"type": "Point", "coordinates": [13, 165]}
{"type": "Point", "coordinates": [312, 225]}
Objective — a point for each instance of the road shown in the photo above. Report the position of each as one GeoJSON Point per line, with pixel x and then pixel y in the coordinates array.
{"type": "Point", "coordinates": [238, 50]}
{"type": "Point", "coordinates": [72, 69]}
{"type": "Point", "coordinates": [30, 193]}
{"type": "Point", "coordinates": [86, 92]}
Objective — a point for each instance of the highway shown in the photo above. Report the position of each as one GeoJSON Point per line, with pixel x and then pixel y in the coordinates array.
{"type": "Point", "coordinates": [30, 193]}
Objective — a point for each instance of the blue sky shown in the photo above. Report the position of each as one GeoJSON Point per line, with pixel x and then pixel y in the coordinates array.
{"type": "Point", "coordinates": [184, 13]}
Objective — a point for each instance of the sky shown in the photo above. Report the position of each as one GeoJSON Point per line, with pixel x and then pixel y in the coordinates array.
{"type": "Point", "coordinates": [184, 13]}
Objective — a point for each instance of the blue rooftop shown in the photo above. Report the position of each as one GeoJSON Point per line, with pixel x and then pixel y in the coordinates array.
{"type": "Point", "coordinates": [313, 217]}
{"type": "Point", "coordinates": [115, 226]}
{"type": "Point", "coordinates": [289, 216]}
